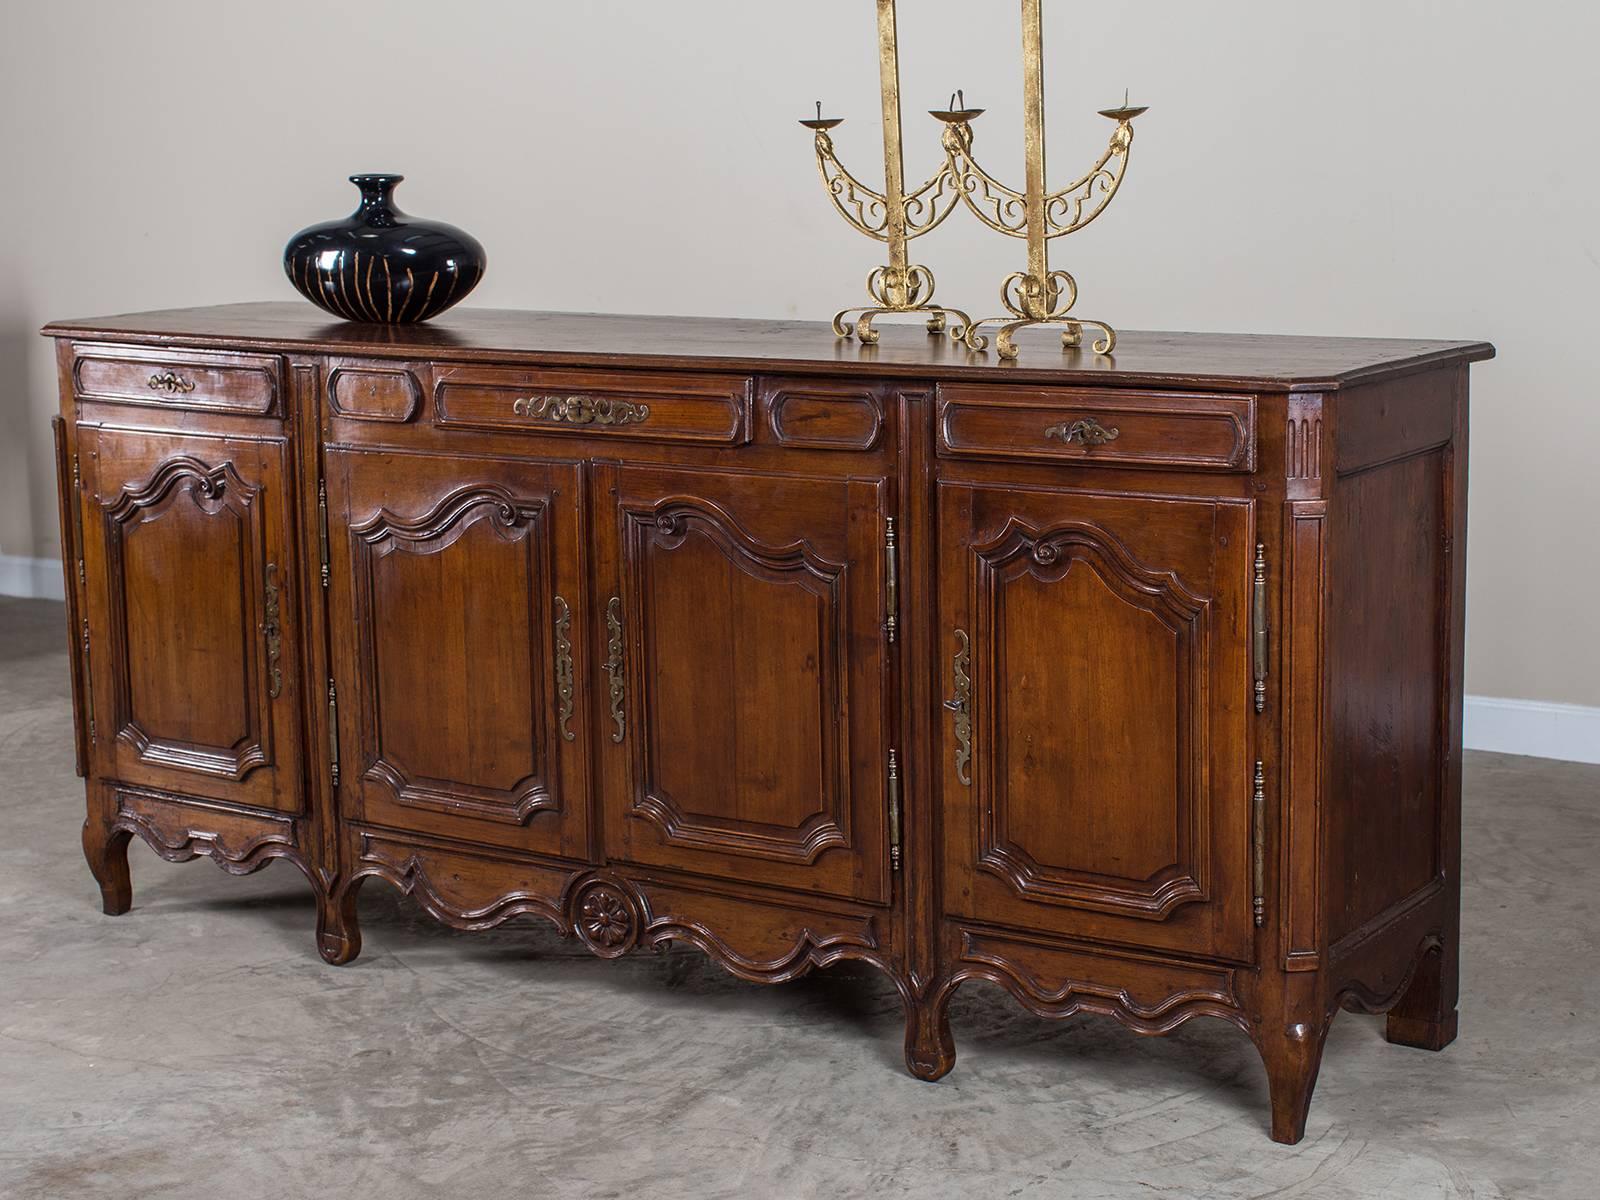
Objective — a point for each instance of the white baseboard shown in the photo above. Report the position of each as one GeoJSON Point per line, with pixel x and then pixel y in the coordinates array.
{"type": "Point", "coordinates": [32, 578]}
{"type": "Point", "coordinates": [1535, 728]}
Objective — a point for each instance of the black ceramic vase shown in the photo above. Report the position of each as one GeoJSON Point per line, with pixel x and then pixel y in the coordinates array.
{"type": "Point", "coordinates": [379, 265]}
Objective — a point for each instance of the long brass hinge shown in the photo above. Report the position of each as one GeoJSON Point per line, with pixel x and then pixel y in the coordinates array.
{"type": "Point", "coordinates": [894, 811]}
{"type": "Point", "coordinates": [88, 681]}
{"type": "Point", "coordinates": [333, 735]}
{"type": "Point", "coordinates": [891, 623]}
{"type": "Point", "coordinates": [1258, 628]}
{"type": "Point", "coordinates": [77, 512]}
{"type": "Point", "coordinates": [322, 527]}
{"type": "Point", "coordinates": [1258, 819]}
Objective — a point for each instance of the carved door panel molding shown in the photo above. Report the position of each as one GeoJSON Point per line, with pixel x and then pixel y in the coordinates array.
{"type": "Point", "coordinates": [452, 609]}
{"type": "Point", "coordinates": [1094, 765]}
{"type": "Point", "coordinates": [193, 680]}
{"type": "Point", "coordinates": [748, 637]}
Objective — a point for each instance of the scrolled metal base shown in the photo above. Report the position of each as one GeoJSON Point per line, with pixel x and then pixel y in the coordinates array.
{"type": "Point", "coordinates": [860, 326]}
{"type": "Point", "coordinates": [1031, 300]}
{"type": "Point", "coordinates": [896, 290]}
{"type": "Point", "coordinates": [1005, 339]}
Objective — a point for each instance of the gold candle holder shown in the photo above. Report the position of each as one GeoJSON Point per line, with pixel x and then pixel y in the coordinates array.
{"type": "Point", "coordinates": [893, 216]}
{"type": "Point", "coordinates": [1039, 295]}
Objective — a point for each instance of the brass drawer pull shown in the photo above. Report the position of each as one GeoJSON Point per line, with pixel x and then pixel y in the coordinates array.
{"type": "Point", "coordinates": [273, 633]}
{"type": "Point", "coordinates": [1085, 430]}
{"type": "Point", "coordinates": [614, 666]}
{"type": "Point", "coordinates": [170, 382]}
{"type": "Point", "coordinates": [564, 682]}
{"type": "Point", "coordinates": [961, 705]}
{"type": "Point", "coordinates": [581, 410]}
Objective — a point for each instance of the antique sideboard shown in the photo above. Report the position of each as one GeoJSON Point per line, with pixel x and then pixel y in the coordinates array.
{"type": "Point", "coordinates": [1131, 685]}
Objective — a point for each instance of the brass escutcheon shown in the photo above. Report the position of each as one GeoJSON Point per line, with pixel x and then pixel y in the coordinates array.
{"type": "Point", "coordinates": [170, 382]}
{"type": "Point", "coordinates": [1086, 431]}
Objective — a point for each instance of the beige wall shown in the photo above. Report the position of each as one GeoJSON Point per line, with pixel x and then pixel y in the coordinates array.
{"type": "Point", "coordinates": [1370, 167]}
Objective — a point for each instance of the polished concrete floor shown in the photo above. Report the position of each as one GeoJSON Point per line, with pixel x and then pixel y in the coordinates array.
{"type": "Point", "coordinates": [197, 1047]}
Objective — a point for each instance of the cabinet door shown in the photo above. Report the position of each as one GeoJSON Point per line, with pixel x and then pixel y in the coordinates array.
{"type": "Point", "coordinates": [1094, 656]}
{"type": "Point", "coordinates": [456, 601]}
{"type": "Point", "coordinates": [744, 650]}
{"type": "Point", "coordinates": [190, 586]}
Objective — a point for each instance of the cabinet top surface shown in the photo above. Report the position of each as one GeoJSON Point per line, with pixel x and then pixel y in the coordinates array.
{"type": "Point", "coordinates": [1266, 361]}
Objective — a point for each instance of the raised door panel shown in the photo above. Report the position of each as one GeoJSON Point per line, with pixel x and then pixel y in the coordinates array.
{"type": "Point", "coordinates": [190, 666]}
{"type": "Point", "coordinates": [1095, 767]}
{"type": "Point", "coordinates": [456, 594]}
{"type": "Point", "coordinates": [745, 653]}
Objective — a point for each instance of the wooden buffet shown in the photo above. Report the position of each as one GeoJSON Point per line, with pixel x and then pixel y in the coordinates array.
{"type": "Point", "coordinates": [1131, 685]}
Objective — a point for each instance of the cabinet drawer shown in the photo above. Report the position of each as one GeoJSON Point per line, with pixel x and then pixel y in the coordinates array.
{"type": "Point", "coordinates": [1176, 430]}
{"type": "Point", "coordinates": [192, 379]}
{"type": "Point", "coordinates": [713, 409]}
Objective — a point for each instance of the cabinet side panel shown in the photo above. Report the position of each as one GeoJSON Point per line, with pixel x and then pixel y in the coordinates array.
{"type": "Point", "coordinates": [1388, 647]}
{"type": "Point", "coordinates": [1305, 664]}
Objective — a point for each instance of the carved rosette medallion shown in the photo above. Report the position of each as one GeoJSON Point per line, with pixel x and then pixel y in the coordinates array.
{"type": "Point", "coordinates": [606, 919]}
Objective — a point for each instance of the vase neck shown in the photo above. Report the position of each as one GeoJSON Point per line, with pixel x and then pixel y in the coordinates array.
{"type": "Point", "coordinates": [377, 198]}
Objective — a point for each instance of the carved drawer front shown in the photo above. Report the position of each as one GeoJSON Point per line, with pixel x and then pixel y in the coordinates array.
{"type": "Point", "coordinates": [1094, 662]}
{"type": "Point", "coordinates": [821, 414]}
{"type": "Point", "coordinates": [709, 409]}
{"type": "Point", "coordinates": [364, 391]}
{"type": "Point", "coordinates": [744, 655]}
{"type": "Point", "coordinates": [1188, 431]}
{"type": "Point", "coordinates": [457, 608]}
{"type": "Point", "coordinates": [190, 627]}
{"type": "Point", "coordinates": [205, 380]}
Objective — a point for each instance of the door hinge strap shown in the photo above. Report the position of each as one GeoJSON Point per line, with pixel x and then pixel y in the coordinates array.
{"type": "Point", "coordinates": [322, 527]}
{"type": "Point", "coordinates": [1258, 627]}
{"type": "Point", "coordinates": [333, 735]}
{"type": "Point", "coordinates": [88, 681]}
{"type": "Point", "coordinates": [1259, 871]}
{"type": "Point", "coordinates": [894, 811]}
{"type": "Point", "coordinates": [77, 516]}
{"type": "Point", "coordinates": [891, 622]}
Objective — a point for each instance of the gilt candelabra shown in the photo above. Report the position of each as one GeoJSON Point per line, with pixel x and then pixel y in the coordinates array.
{"type": "Point", "coordinates": [893, 216]}
{"type": "Point", "coordinates": [1035, 296]}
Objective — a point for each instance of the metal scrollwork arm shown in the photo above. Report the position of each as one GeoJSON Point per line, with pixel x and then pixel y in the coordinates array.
{"type": "Point", "coordinates": [858, 204]}
{"type": "Point", "coordinates": [924, 209]}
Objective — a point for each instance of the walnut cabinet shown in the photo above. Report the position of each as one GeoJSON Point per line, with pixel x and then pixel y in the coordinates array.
{"type": "Point", "coordinates": [1132, 685]}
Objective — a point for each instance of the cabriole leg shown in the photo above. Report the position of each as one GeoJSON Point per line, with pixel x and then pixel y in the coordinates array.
{"type": "Point", "coordinates": [1293, 1057]}
{"type": "Point", "coordinates": [1426, 1015]}
{"type": "Point", "coordinates": [338, 929]}
{"type": "Point", "coordinates": [930, 1050]}
{"type": "Point", "coordinates": [107, 852]}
